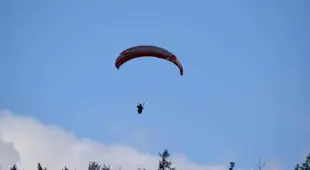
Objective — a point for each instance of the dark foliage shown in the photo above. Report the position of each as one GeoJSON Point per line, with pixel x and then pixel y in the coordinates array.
{"type": "Point", "coordinates": [95, 166]}
{"type": "Point", "coordinates": [163, 162]}
{"type": "Point", "coordinates": [232, 164]}
{"type": "Point", "coordinates": [13, 167]}
{"type": "Point", "coordinates": [305, 165]}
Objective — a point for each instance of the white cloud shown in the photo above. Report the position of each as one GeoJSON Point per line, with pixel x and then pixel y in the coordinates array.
{"type": "Point", "coordinates": [26, 141]}
{"type": "Point", "coordinates": [11, 155]}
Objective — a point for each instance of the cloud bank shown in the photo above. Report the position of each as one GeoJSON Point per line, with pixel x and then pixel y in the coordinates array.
{"type": "Point", "coordinates": [26, 141]}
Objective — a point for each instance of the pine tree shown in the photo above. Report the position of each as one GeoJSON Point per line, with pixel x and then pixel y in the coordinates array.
{"type": "Point", "coordinates": [163, 162]}
{"type": "Point", "coordinates": [305, 165]}
{"type": "Point", "coordinates": [14, 167]}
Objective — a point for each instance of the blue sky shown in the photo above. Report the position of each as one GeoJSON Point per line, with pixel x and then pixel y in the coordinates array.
{"type": "Point", "coordinates": [244, 94]}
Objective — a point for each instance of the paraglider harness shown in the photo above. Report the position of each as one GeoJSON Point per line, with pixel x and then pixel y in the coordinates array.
{"type": "Point", "coordinates": [140, 108]}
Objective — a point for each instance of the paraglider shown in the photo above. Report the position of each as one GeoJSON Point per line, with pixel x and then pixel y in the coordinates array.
{"type": "Point", "coordinates": [147, 51]}
{"type": "Point", "coordinates": [140, 108]}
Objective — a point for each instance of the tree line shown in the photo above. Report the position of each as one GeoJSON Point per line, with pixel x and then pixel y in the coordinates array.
{"type": "Point", "coordinates": [165, 164]}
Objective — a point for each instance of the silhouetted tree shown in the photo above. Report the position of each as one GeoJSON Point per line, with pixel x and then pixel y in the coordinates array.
{"type": "Point", "coordinates": [39, 167]}
{"type": "Point", "coordinates": [93, 166]}
{"type": "Point", "coordinates": [65, 168]}
{"type": "Point", "coordinates": [305, 165]}
{"type": "Point", "coordinates": [104, 167]}
{"type": "Point", "coordinates": [232, 164]}
{"type": "Point", "coordinates": [14, 167]}
{"type": "Point", "coordinates": [163, 162]}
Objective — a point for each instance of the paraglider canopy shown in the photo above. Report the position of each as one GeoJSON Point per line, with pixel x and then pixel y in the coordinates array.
{"type": "Point", "coordinates": [147, 51]}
